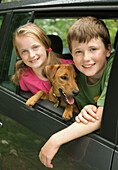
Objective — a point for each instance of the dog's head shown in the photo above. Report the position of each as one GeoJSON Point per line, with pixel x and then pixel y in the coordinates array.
{"type": "Point", "coordinates": [63, 80]}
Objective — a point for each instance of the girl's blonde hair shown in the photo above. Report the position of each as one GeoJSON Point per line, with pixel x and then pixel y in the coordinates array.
{"type": "Point", "coordinates": [86, 28]}
{"type": "Point", "coordinates": [32, 30]}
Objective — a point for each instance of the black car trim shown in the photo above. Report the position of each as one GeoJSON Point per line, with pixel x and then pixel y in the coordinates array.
{"type": "Point", "coordinates": [4, 31]}
{"type": "Point", "coordinates": [107, 127]}
{"type": "Point", "coordinates": [48, 106]}
{"type": "Point", "coordinates": [63, 3]}
{"type": "Point", "coordinates": [32, 17]}
{"type": "Point", "coordinates": [42, 13]}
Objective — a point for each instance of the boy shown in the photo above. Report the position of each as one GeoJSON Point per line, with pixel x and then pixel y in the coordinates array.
{"type": "Point", "coordinates": [89, 44]}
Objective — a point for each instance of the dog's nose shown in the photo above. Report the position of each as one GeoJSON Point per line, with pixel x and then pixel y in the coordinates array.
{"type": "Point", "coordinates": [75, 92]}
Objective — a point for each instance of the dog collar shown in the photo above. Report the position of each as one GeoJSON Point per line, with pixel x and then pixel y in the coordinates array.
{"type": "Point", "coordinates": [56, 104]}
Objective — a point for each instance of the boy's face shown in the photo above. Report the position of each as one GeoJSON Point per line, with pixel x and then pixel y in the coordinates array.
{"type": "Point", "coordinates": [90, 58]}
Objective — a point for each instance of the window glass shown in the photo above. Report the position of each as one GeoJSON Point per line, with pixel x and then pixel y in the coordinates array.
{"type": "Point", "coordinates": [57, 26]}
{"type": "Point", "coordinates": [1, 20]}
{"type": "Point", "coordinates": [8, 59]}
{"type": "Point", "coordinates": [60, 27]}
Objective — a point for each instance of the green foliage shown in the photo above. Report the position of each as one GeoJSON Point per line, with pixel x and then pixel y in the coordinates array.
{"type": "Point", "coordinates": [61, 27]}
{"type": "Point", "coordinates": [5, 1]}
{"type": "Point", "coordinates": [58, 27]}
{"type": "Point", "coordinates": [112, 26]}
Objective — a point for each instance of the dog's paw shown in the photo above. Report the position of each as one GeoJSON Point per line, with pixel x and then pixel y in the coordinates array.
{"type": "Point", "coordinates": [30, 102]}
{"type": "Point", "coordinates": [67, 116]}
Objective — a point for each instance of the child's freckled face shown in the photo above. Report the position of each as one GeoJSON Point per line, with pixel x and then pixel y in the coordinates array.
{"type": "Point", "coordinates": [90, 58]}
{"type": "Point", "coordinates": [31, 50]}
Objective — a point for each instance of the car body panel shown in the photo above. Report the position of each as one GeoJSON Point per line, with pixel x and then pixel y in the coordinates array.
{"type": "Point", "coordinates": [115, 160]}
{"type": "Point", "coordinates": [82, 151]}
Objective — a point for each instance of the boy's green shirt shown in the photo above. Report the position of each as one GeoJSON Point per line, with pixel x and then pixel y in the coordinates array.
{"type": "Point", "coordinates": [93, 94]}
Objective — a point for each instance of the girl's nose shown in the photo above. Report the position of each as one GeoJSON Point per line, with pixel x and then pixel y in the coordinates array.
{"type": "Point", "coordinates": [31, 53]}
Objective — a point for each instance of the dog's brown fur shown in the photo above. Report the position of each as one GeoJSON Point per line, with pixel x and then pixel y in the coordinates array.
{"type": "Point", "coordinates": [61, 77]}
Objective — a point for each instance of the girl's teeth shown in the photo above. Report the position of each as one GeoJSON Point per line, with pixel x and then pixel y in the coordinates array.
{"type": "Point", "coordinates": [34, 60]}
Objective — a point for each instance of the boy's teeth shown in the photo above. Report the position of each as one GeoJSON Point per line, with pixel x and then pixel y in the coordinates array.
{"type": "Point", "coordinates": [88, 66]}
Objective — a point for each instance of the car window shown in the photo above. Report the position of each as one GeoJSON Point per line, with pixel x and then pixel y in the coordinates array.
{"type": "Point", "coordinates": [60, 27]}
{"type": "Point", "coordinates": [1, 20]}
{"type": "Point", "coordinates": [9, 58]}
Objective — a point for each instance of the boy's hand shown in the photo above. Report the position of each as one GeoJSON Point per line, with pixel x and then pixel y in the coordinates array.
{"type": "Point", "coordinates": [48, 151]}
{"type": "Point", "coordinates": [88, 113]}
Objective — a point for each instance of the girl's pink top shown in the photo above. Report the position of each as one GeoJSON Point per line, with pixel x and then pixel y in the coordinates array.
{"type": "Point", "coordinates": [30, 82]}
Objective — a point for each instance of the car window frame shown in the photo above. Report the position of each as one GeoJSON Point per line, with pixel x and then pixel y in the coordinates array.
{"type": "Point", "coordinates": [111, 100]}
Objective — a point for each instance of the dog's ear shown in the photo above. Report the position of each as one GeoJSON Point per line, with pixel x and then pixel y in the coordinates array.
{"type": "Point", "coordinates": [50, 71]}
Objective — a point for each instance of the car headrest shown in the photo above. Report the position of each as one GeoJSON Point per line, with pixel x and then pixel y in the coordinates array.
{"type": "Point", "coordinates": [56, 43]}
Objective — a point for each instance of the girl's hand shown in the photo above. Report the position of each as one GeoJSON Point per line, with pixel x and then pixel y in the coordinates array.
{"type": "Point", "coordinates": [88, 113]}
{"type": "Point", "coordinates": [48, 151]}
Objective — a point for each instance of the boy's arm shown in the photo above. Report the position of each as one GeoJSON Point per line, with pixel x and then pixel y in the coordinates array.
{"type": "Point", "coordinates": [72, 132]}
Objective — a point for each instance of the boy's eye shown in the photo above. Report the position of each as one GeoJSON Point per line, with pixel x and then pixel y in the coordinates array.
{"type": "Point", "coordinates": [93, 49]}
{"type": "Point", "coordinates": [64, 77]}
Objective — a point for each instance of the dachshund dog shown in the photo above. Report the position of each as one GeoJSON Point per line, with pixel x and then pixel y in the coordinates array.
{"type": "Point", "coordinates": [63, 90]}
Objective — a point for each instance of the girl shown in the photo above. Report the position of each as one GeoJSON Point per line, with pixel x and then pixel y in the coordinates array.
{"type": "Point", "coordinates": [32, 46]}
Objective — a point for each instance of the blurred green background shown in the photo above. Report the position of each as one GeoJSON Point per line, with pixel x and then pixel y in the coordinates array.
{"type": "Point", "coordinates": [61, 26]}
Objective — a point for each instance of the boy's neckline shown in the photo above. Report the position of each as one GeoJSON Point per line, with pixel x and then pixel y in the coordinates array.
{"type": "Point", "coordinates": [92, 82]}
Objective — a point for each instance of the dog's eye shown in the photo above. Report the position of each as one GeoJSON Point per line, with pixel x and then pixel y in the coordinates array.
{"type": "Point", "coordinates": [64, 77]}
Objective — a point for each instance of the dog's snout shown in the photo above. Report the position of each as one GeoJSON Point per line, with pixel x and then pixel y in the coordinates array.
{"type": "Point", "coordinates": [75, 92]}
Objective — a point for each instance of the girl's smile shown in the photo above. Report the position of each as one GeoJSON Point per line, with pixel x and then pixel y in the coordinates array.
{"type": "Point", "coordinates": [34, 60]}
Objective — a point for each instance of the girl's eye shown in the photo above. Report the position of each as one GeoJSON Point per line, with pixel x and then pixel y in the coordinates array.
{"type": "Point", "coordinates": [35, 47]}
{"type": "Point", "coordinates": [64, 77]}
{"type": "Point", "coordinates": [24, 51]}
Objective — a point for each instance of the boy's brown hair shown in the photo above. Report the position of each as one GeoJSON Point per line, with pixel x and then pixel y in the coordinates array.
{"type": "Point", "coordinates": [86, 28]}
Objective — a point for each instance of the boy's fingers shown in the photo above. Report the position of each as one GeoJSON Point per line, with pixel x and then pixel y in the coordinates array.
{"type": "Point", "coordinates": [94, 108]}
{"type": "Point", "coordinates": [48, 164]}
{"type": "Point", "coordinates": [82, 119]}
{"type": "Point", "coordinates": [88, 115]}
{"type": "Point", "coordinates": [77, 119]}
{"type": "Point", "coordinates": [91, 113]}
{"type": "Point", "coordinates": [45, 161]}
